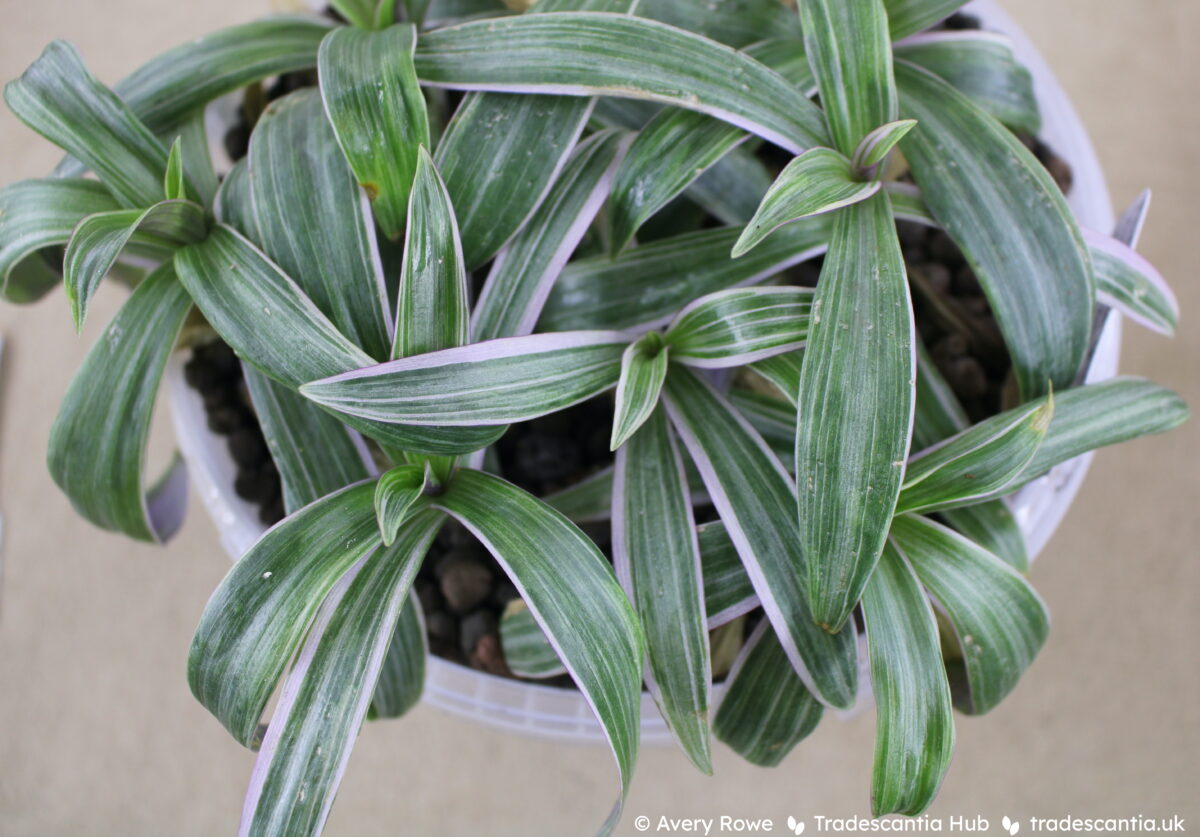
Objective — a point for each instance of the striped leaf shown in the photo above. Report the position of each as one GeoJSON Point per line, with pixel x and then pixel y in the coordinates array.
{"type": "Point", "coordinates": [981, 65]}
{"type": "Point", "coordinates": [731, 189]}
{"type": "Point", "coordinates": [1012, 223]}
{"type": "Point", "coordinates": [734, 22]}
{"type": "Point", "coordinates": [657, 560]}
{"type": "Point", "coordinates": [1126, 281]}
{"type": "Point", "coordinates": [99, 239]}
{"type": "Point", "coordinates": [326, 696]}
{"type": "Point", "coordinates": [258, 617]}
{"type": "Point", "coordinates": [589, 54]}
{"type": "Point", "coordinates": [525, 269]}
{"type": "Point", "coordinates": [766, 710]}
{"type": "Point", "coordinates": [740, 326]}
{"type": "Point", "coordinates": [492, 383]}
{"type": "Point", "coordinates": [527, 652]}
{"type": "Point", "coordinates": [499, 155]}
{"type": "Point", "coordinates": [643, 370]}
{"type": "Point", "coordinates": [756, 500]}
{"type": "Point", "coordinates": [311, 220]}
{"type": "Point", "coordinates": [378, 113]}
{"type": "Point", "coordinates": [62, 101]}
{"type": "Point", "coordinates": [938, 415]}
{"type": "Point", "coordinates": [98, 440]}
{"type": "Point", "coordinates": [856, 408]}
{"type": "Point", "coordinates": [785, 55]}
{"type": "Point", "coordinates": [432, 311]}
{"type": "Point", "coordinates": [402, 677]}
{"type": "Point", "coordinates": [36, 215]}
{"type": "Point", "coordinates": [999, 620]}
{"type": "Point", "coordinates": [644, 287]}
{"type": "Point", "coordinates": [674, 148]}
{"type": "Point", "coordinates": [174, 187]}
{"type": "Point", "coordinates": [773, 418]}
{"type": "Point", "coordinates": [819, 180]}
{"type": "Point", "coordinates": [979, 461]}
{"type": "Point", "coordinates": [872, 152]}
{"type": "Point", "coordinates": [570, 589]}
{"type": "Point", "coordinates": [587, 501]}
{"type": "Point", "coordinates": [728, 593]}
{"type": "Point", "coordinates": [850, 51]}
{"type": "Point", "coordinates": [908, 16]}
{"type": "Point", "coordinates": [359, 13]}
{"type": "Point", "coordinates": [233, 204]}
{"type": "Point", "coordinates": [395, 493]}
{"type": "Point", "coordinates": [914, 722]}
{"type": "Point", "coordinates": [259, 311]}
{"type": "Point", "coordinates": [783, 371]}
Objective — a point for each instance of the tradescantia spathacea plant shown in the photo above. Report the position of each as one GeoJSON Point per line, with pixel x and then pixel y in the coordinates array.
{"type": "Point", "coordinates": [616, 204]}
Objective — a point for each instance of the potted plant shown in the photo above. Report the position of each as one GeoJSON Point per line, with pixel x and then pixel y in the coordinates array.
{"type": "Point", "coordinates": [424, 260]}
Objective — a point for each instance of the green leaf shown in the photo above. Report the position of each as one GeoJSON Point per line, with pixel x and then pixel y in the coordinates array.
{"type": "Point", "coordinates": [766, 710]}
{"type": "Point", "coordinates": [873, 150]}
{"type": "Point", "coordinates": [728, 593]}
{"type": "Point", "coordinates": [981, 65]}
{"type": "Point", "coordinates": [588, 54]}
{"type": "Point", "coordinates": [645, 286]}
{"type": "Point", "coordinates": [98, 440]}
{"type": "Point", "coordinates": [525, 269]}
{"type": "Point", "coordinates": [432, 312]}
{"type": "Point", "coordinates": [914, 722]}
{"type": "Point", "coordinates": [62, 101]}
{"type": "Point", "coordinates": [819, 180]}
{"type": "Point", "coordinates": [570, 589]}
{"type": "Point", "coordinates": [359, 13]}
{"type": "Point", "coordinates": [311, 221]}
{"type": "Point", "coordinates": [657, 559]}
{"type": "Point", "coordinates": [499, 155]}
{"type": "Point", "coordinates": [527, 651]}
{"type": "Point", "coordinates": [731, 189]}
{"type": "Point", "coordinates": [908, 16]}
{"type": "Point", "coordinates": [174, 186]}
{"type": "Point", "coordinates": [756, 500]}
{"type": "Point", "coordinates": [992, 526]}
{"type": "Point", "coordinates": [1012, 223]}
{"type": "Point", "coordinates": [315, 453]}
{"type": "Point", "coordinates": [326, 696]}
{"type": "Point", "coordinates": [259, 311]}
{"type": "Point", "coordinates": [979, 461]}
{"type": "Point", "coordinates": [785, 55]}
{"type": "Point", "coordinates": [378, 112]}
{"type": "Point", "coordinates": [1126, 281]}
{"type": "Point", "coordinates": [395, 494]}
{"type": "Point", "coordinates": [259, 615]}
{"type": "Point", "coordinates": [233, 203]}
{"type": "Point", "coordinates": [856, 407]}
{"type": "Point", "coordinates": [733, 22]}
{"type": "Point", "coordinates": [783, 371]}
{"type": "Point", "coordinates": [850, 51]}
{"type": "Point", "coordinates": [588, 500]}
{"type": "Point", "coordinates": [196, 157]}
{"type": "Point", "coordinates": [739, 326]}
{"type": "Point", "coordinates": [774, 419]}
{"type": "Point", "coordinates": [99, 239]}
{"type": "Point", "coordinates": [493, 383]}
{"type": "Point", "coordinates": [402, 677]}
{"type": "Point", "coordinates": [643, 370]}
{"type": "Point", "coordinates": [938, 415]}
{"type": "Point", "coordinates": [674, 148]}
{"type": "Point", "coordinates": [1000, 621]}
{"type": "Point", "coordinates": [40, 214]}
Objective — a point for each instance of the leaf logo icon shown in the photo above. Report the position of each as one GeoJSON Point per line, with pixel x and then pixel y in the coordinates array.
{"type": "Point", "coordinates": [1010, 826]}
{"type": "Point", "coordinates": [795, 827]}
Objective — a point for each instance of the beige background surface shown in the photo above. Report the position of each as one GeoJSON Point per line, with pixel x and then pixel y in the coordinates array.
{"type": "Point", "coordinates": [99, 735]}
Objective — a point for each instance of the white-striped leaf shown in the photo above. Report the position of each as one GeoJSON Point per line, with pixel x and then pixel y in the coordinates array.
{"type": "Point", "coordinates": [819, 180]}
{"type": "Point", "coordinates": [908, 16]}
{"type": "Point", "coordinates": [432, 311]}
{"type": "Point", "coordinates": [174, 187]}
{"type": "Point", "coordinates": [326, 696]}
{"type": "Point", "coordinates": [914, 721]}
{"type": "Point", "coordinates": [856, 407]}
{"type": "Point", "coordinates": [525, 269]}
{"type": "Point", "coordinates": [62, 101]}
{"type": "Point", "coordinates": [645, 286]}
{"type": "Point", "coordinates": [1000, 621]}
{"type": "Point", "coordinates": [36, 215]}
{"type": "Point", "coordinates": [731, 189]}
{"type": "Point", "coordinates": [1012, 223]}
{"type": "Point", "coordinates": [395, 493]}
{"type": "Point", "coordinates": [310, 218]}
{"type": "Point", "coordinates": [643, 370]}
{"type": "Point", "coordinates": [402, 677]}
{"type": "Point", "coordinates": [496, 382]}
{"type": "Point", "coordinates": [1128, 282]}
{"type": "Point", "coordinates": [979, 461]}
{"type": "Point", "coordinates": [675, 148]}
{"type": "Point", "coordinates": [571, 591]}
{"type": "Point", "coordinates": [766, 710]}
{"type": "Point", "coordinates": [740, 326]}
{"type": "Point", "coordinates": [657, 560]}
{"type": "Point", "coordinates": [734, 22]}
{"type": "Point", "coordinates": [378, 113]}
{"type": "Point", "coordinates": [98, 440]}
{"type": "Point", "coordinates": [850, 51]}
{"type": "Point", "coordinates": [527, 652]}
{"type": "Point", "coordinates": [728, 593]}
{"type": "Point", "coordinates": [99, 239]}
{"type": "Point", "coordinates": [873, 150]}
{"type": "Point", "coordinates": [773, 418]}
{"type": "Point", "coordinates": [783, 371]}
{"type": "Point", "coordinates": [756, 500]}
{"type": "Point", "coordinates": [591, 54]}
{"type": "Point", "coordinates": [982, 66]}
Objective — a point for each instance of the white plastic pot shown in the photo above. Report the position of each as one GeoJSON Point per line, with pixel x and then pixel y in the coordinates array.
{"type": "Point", "coordinates": [562, 713]}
